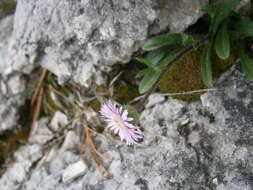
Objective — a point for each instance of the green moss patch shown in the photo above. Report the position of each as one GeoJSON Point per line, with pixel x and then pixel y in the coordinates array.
{"type": "Point", "coordinates": [186, 74]}
{"type": "Point", "coordinates": [124, 93]}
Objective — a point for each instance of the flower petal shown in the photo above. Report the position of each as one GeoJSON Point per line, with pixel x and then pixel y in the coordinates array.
{"type": "Point", "coordinates": [118, 121]}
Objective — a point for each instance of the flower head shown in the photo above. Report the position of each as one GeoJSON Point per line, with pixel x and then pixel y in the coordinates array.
{"type": "Point", "coordinates": [118, 121]}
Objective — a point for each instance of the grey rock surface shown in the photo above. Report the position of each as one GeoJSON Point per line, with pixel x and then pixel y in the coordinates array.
{"type": "Point", "coordinates": [75, 39]}
{"type": "Point", "coordinates": [9, 86]}
{"type": "Point", "coordinates": [79, 40]}
{"type": "Point", "coordinates": [202, 145]}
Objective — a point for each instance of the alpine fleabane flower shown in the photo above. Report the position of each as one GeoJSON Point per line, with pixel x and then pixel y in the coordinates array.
{"type": "Point", "coordinates": [118, 121]}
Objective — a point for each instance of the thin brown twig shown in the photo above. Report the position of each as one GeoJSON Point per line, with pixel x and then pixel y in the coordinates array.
{"type": "Point", "coordinates": [178, 93]}
{"type": "Point", "coordinates": [37, 110]}
{"type": "Point", "coordinates": [189, 92]}
{"type": "Point", "coordinates": [99, 134]}
{"type": "Point", "coordinates": [93, 148]}
{"type": "Point", "coordinates": [55, 141]}
{"type": "Point", "coordinates": [96, 156]}
{"type": "Point", "coordinates": [81, 145]}
{"type": "Point", "coordinates": [200, 43]}
{"type": "Point", "coordinates": [36, 92]}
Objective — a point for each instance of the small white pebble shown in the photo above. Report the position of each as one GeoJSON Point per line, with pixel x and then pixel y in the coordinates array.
{"type": "Point", "coordinates": [215, 181]}
{"type": "Point", "coordinates": [73, 171]}
{"type": "Point", "coordinates": [59, 120]}
{"type": "Point", "coordinates": [184, 122]}
{"type": "Point", "coordinates": [154, 99]}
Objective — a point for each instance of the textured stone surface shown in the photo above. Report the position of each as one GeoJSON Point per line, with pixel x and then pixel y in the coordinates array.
{"type": "Point", "coordinates": [9, 86]}
{"type": "Point", "coordinates": [79, 40]}
{"type": "Point", "coordinates": [202, 145]}
{"type": "Point", "coordinates": [75, 39]}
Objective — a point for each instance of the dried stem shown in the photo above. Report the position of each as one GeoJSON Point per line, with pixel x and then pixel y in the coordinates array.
{"type": "Point", "coordinates": [37, 109]}
{"type": "Point", "coordinates": [91, 144]}
{"type": "Point", "coordinates": [96, 155]}
{"type": "Point", "coordinates": [189, 92]}
{"type": "Point", "coordinates": [177, 93]}
{"type": "Point", "coordinates": [36, 93]}
{"type": "Point", "coordinates": [81, 145]}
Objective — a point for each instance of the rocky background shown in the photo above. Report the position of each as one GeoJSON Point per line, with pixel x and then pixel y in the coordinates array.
{"type": "Point", "coordinates": [204, 145]}
{"type": "Point", "coordinates": [79, 40]}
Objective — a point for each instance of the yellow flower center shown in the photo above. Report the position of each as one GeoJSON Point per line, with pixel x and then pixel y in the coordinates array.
{"type": "Point", "coordinates": [119, 123]}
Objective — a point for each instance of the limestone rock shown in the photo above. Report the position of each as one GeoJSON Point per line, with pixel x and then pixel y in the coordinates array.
{"type": "Point", "coordinates": [73, 171]}
{"type": "Point", "coordinates": [10, 86]}
{"type": "Point", "coordinates": [78, 39]}
{"type": "Point", "coordinates": [201, 145]}
{"type": "Point", "coordinates": [154, 99]}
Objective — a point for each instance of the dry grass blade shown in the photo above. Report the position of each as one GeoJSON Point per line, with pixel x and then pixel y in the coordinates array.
{"type": "Point", "coordinates": [96, 156]}
{"type": "Point", "coordinates": [37, 110]}
{"type": "Point", "coordinates": [111, 87]}
{"type": "Point", "coordinates": [95, 150]}
{"type": "Point", "coordinates": [177, 93]}
{"type": "Point", "coordinates": [195, 185]}
{"type": "Point", "coordinates": [189, 92]}
{"type": "Point", "coordinates": [81, 152]}
{"type": "Point", "coordinates": [36, 93]}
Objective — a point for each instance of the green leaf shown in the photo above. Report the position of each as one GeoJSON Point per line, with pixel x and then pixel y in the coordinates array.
{"type": "Point", "coordinates": [222, 11]}
{"type": "Point", "coordinates": [168, 40]}
{"type": "Point", "coordinates": [187, 39]}
{"type": "Point", "coordinates": [157, 55]}
{"type": "Point", "coordinates": [206, 71]}
{"type": "Point", "coordinates": [222, 43]}
{"type": "Point", "coordinates": [246, 61]}
{"type": "Point", "coordinates": [148, 80]}
{"type": "Point", "coordinates": [162, 40]}
{"type": "Point", "coordinates": [207, 9]}
{"type": "Point", "coordinates": [168, 58]}
{"type": "Point", "coordinates": [142, 73]}
{"type": "Point", "coordinates": [146, 62]}
{"type": "Point", "coordinates": [243, 27]}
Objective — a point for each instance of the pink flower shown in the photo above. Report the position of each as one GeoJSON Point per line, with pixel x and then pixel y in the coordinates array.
{"type": "Point", "coordinates": [118, 122]}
